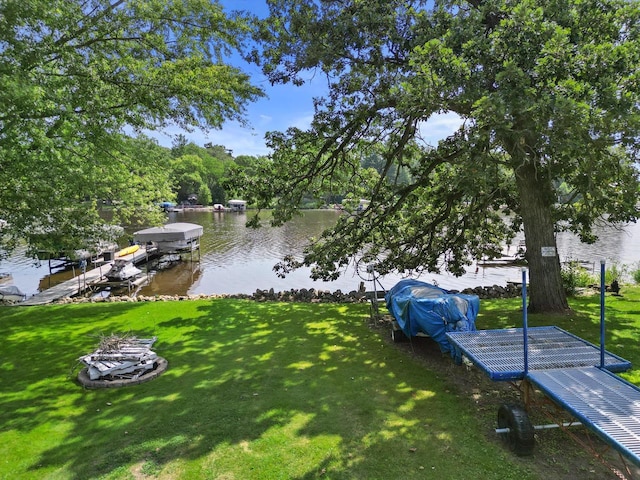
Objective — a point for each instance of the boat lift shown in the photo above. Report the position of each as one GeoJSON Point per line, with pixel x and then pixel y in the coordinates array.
{"type": "Point", "coordinates": [575, 375]}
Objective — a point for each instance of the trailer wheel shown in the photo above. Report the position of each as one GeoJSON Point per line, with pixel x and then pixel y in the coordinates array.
{"type": "Point", "coordinates": [397, 336]}
{"type": "Point", "coordinates": [520, 437]}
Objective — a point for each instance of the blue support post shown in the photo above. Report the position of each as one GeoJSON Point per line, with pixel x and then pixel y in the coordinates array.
{"type": "Point", "coordinates": [602, 290]}
{"type": "Point", "coordinates": [524, 322]}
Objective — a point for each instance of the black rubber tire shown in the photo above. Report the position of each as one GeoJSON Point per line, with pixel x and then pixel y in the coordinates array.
{"type": "Point", "coordinates": [398, 336]}
{"type": "Point", "coordinates": [521, 435]}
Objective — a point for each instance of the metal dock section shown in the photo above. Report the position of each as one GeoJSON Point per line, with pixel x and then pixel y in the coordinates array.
{"type": "Point", "coordinates": [81, 282]}
{"type": "Point", "coordinates": [500, 353]}
{"type": "Point", "coordinates": [68, 288]}
{"type": "Point", "coordinates": [601, 401]}
{"type": "Point", "coordinates": [573, 373]}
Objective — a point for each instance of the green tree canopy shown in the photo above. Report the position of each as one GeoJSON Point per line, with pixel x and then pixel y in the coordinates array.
{"type": "Point", "coordinates": [214, 165]}
{"type": "Point", "coordinates": [189, 177]}
{"type": "Point", "coordinates": [548, 92]}
{"type": "Point", "coordinates": [75, 75]}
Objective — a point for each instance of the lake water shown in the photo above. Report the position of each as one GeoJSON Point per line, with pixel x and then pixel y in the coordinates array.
{"type": "Point", "coordinates": [236, 259]}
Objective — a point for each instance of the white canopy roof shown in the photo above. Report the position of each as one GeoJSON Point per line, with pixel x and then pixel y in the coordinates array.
{"type": "Point", "coordinates": [171, 232]}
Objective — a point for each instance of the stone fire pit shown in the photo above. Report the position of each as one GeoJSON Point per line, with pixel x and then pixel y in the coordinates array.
{"type": "Point", "coordinates": [121, 360]}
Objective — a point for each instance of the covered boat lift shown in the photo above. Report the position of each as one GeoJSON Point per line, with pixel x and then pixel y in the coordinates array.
{"type": "Point", "coordinates": [172, 237]}
{"type": "Point", "coordinates": [237, 205]}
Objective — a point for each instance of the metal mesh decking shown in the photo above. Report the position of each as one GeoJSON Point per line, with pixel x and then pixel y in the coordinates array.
{"type": "Point", "coordinates": [604, 403]}
{"type": "Point", "coordinates": [500, 353]}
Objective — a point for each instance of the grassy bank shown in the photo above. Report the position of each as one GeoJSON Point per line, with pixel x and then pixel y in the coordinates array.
{"type": "Point", "coordinates": [258, 391]}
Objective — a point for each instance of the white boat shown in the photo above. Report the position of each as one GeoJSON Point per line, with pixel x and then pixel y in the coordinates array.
{"type": "Point", "coordinates": [93, 252]}
{"type": "Point", "coordinates": [168, 261]}
{"type": "Point", "coordinates": [11, 294]}
{"type": "Point", "coordinates": [50, 243]}
{"type": "Point", "coordinates": [122, 270]}
{"type": "Point", "coordinates": [172, 237]}
{"type": "Point", "coordinates": [237, 205]}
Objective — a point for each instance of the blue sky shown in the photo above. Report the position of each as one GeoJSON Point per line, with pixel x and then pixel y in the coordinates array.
{"type": "Point", "coordinates": [285, 106]}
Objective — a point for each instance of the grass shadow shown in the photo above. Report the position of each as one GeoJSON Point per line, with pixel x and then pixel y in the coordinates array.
{"type": "Point", "coordinates": [253, 390]}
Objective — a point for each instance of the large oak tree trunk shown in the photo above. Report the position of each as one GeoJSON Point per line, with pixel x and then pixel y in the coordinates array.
{"type": "Point", "coordinates": [546, 292]}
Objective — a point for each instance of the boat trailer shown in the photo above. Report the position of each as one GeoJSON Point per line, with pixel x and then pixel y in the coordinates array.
{"type": "Point", "coordinates": [575, 377]}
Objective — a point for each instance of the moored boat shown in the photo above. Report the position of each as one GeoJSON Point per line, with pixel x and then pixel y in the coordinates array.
{"type": "Point", "coordinates": [11, 294]}
{"type": "Point", "coordinates": [122, 270]}
{"type": "Point", "coordinates": [172, 237]}
{"type": "Point", "coordinates": [237, 205]}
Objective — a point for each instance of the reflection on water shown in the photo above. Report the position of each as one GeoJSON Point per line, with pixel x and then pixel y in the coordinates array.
{"type": "Point", "coordinates": [615, 245]}
{"type": "Point", "coordinates": [236, 259]}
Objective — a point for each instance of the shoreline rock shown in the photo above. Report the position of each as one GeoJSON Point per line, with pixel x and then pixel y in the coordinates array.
{"type": "Point", "coordinates": [302, 295]}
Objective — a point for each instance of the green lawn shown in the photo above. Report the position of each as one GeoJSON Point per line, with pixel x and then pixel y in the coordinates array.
{"type": "Point", "coordinates": [254, 391]}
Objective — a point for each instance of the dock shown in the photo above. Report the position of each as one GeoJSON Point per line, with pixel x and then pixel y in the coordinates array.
{"type": "Point", "coordinates": [575, 375]}
{"type": "Point", "coordinates": [83, 282]}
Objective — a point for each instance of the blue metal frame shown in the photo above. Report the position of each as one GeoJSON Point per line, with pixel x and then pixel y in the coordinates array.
{"type": "Point", "coordinates": [602, 290]}
{"type": "Point", "coordinates": [606, 404]}
{"type": "Point", "coordinates": [525, 323]}
{"type": "Point", "coordinates": [508, 343]}
{"type": "Point", "coordinates": [603, 402]}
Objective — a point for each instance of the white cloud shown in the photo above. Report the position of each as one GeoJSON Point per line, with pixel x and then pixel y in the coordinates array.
{"type": "Point", "coordinates": [241, 141]}
{"type": "Point", "coordinates": [303, 122]}
{"type": "Point", "coordinates": [439, 126]}
{"type": "Point", "coordinates": [249, 140]}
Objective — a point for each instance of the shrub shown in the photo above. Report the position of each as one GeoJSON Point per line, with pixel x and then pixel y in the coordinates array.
{"type": "Point", "coordinates": [616, 272]}
{"type": "Point", "coordinates": [575, 276]}
{"type": "Point", "coordinates": [635, 272]}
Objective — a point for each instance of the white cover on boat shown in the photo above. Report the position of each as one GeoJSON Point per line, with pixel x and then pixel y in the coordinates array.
{"type": "Point", "coordinates": [171, 232]}
{"type": "Point", "coordinates": [11, 290]}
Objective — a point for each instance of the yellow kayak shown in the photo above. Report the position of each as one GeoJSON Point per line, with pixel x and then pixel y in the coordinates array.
{"type": "Point", "coordinates": [128, 250]}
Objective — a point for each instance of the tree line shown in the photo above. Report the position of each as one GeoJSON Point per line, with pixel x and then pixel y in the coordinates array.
{"type": "Point", "coordinates": [548, 93]}
{"type": "Point", "coordinates": [210, 174]}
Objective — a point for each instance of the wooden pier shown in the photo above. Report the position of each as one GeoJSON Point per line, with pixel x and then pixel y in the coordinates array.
{"type": "Point", "coordinates": [85, 281]}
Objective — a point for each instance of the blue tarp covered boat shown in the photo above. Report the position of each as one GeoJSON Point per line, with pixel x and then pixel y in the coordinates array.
{"type": "Point", "coordinates": [420, 307]}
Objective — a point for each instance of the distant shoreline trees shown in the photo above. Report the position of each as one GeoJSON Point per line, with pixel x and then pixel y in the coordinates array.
{"type": "Point", "coordinates": [548, 93]}
{"type": "Point", "coordinates": [74, 75]}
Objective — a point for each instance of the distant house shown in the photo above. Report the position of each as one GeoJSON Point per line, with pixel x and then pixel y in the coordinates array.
{"type": "Point", "coordinates": [237, 205]}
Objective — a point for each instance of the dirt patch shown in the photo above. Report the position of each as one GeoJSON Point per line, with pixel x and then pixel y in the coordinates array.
{"type": "Point", "coordinates": [557, 454]}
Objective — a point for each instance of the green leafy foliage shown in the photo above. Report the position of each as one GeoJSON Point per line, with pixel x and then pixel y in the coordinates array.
{"type": "Point", "coordinates": [635, 273]}
{"type": "Point", "coordinates": [616, 272]}
{"type": "Point", "coordinates": [547, 92]}
{"type": "Point", "coordinates": [75, 75]}
{"type": "Point", "coordinates": [210, 172]}
{"type": "Point", "coordinates": [575, 276]}
{"type": "Point", "coordinates": [188, 172]}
